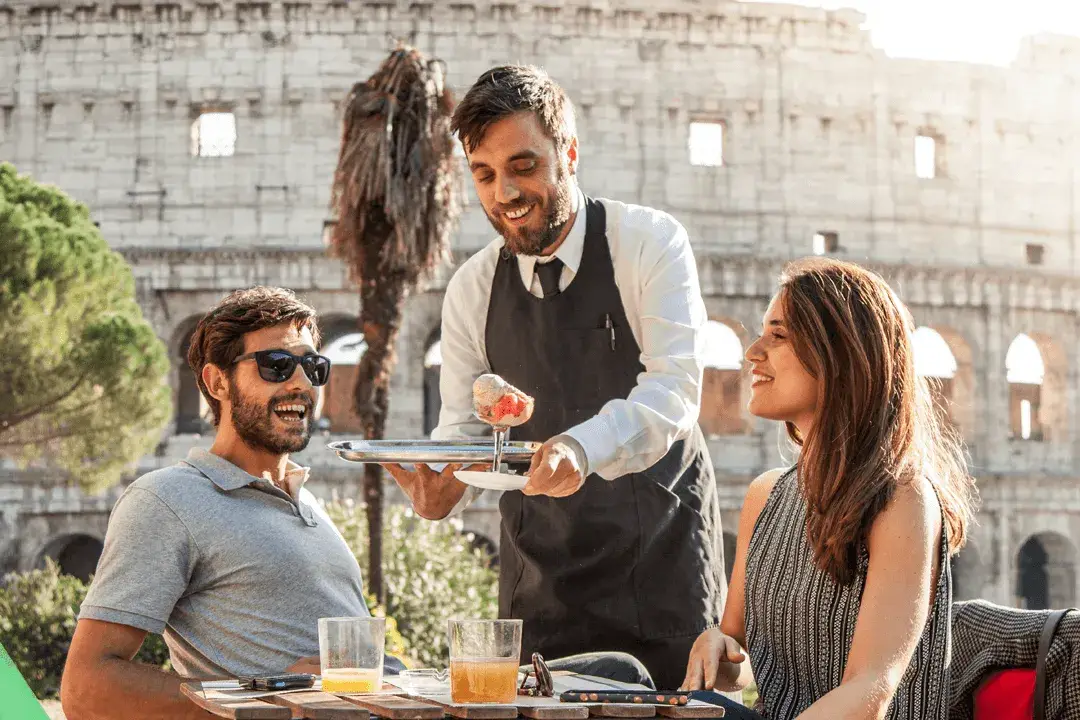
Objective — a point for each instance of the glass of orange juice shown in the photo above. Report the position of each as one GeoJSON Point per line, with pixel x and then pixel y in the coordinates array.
{"type": "Point", "coordinates": [484, 657]}
{"type": "Point", "coordinates": [351, 653]}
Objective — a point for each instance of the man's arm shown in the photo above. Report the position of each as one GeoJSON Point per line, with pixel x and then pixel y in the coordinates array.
{"type": "Point", "coordinates": [102, 681]}
{"type": "Point", "coordinates": [145, 567]}
{"type": "Point", "coordinates": [898, 594]}
{"type": "Point", "coordinates": [631, 434]}
{"type": "Point", "coordinates": [463, 357]}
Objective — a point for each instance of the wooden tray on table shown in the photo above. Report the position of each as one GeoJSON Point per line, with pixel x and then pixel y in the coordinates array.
{"type": "Point", "coordinates": [228, 701]}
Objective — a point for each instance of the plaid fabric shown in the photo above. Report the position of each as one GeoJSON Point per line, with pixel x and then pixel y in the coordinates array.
{"type": "Point", "coordinates": [989, 637]}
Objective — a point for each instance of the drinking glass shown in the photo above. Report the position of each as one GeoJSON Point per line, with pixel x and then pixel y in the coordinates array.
{"type": "Point", "coordinates": [484, 658]}
{"type": "Point", "coordinates": [351, 653]}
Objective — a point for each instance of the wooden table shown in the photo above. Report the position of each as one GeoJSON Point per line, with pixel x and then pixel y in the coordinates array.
{"type": "Point", "coordinates": [395, 704]}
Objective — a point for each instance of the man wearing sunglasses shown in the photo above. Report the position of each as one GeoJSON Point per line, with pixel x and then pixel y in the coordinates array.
{"type": "Point", "coordinates": [225, 553]}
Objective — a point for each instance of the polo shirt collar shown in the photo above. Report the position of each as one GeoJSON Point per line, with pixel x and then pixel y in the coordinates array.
{"type": "Point", "coordinates": [229, 477]}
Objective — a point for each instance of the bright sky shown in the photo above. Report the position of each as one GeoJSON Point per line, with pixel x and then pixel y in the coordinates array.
{"type": "Point", "coordinates": [982, 31]}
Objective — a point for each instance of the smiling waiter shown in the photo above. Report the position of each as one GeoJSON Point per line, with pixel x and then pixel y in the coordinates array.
{"type": "Point", "coordinates": [593, 308]}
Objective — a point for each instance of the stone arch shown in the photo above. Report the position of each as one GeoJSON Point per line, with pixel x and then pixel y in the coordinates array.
{"type": "Point", "coordinates": [344, 344]}
{"type": "Point", "coordinates": [193, 414]}
{"type": "Point", "coordinates": [76, 554]}
{"type": "Point", "coordinates": [334, 326]}
{"type": "Point", "coordinates": [968, 573]}
{"type": "Point", "coordinates": [729, 553]}
{"type": "Point", "coordinates": [1036, 372]}
{"type": "Point", "coordinates": [1046, 572]}
{"type": "Point", "coordinates": [432, 372]}
{"type": "Point", "coordinates": [724, 388]}
{"type": "Point", "coordinates": [944, 357]}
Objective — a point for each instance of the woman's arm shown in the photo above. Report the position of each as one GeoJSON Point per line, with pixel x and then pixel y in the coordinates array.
{"type": "Point", "coordinates": [716, 660]}
{"type": "Point", "coordinates": [904, 550]}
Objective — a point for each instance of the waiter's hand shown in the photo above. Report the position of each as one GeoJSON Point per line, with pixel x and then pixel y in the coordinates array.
{"type": "Point", "coordinates": [711, 661]}
{"type": "Point", "coordinates": [556, 469]}
{"type": "Point", "coordinates": [433, 494]}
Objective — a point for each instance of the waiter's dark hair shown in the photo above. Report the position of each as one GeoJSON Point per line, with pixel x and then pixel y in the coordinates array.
{"type": "Point", "coordinates": [510, 89]}
{"type": "Point", "coordinates": [218, 339]}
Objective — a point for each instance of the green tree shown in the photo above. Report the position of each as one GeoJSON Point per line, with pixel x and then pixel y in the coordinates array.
{"type": "Point", "coordinates": [396, 195]}
{"type": "Point", "coordinates": [82, 374]}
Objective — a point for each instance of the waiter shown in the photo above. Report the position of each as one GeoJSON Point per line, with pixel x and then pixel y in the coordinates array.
{"type": "Point", "coordinates": [593, 308]}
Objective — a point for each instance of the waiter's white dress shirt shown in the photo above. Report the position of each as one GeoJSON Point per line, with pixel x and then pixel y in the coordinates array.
{"type": "Point", "coordinates": [658, 283]}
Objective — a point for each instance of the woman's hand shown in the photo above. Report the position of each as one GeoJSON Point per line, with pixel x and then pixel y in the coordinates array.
{"type": "Point", "coordinates": [715, 660]}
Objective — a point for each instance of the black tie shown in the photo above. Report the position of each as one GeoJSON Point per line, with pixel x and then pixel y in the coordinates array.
{"type": "Point", "coordinates": [549, 273]}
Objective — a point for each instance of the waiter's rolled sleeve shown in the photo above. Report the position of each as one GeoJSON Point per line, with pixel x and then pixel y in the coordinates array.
{"type": "Point", "coordinates": [145, 567]}
{"type": "Point", "coordinates": [631, 434]}
{"type": "Point", "coordinates": [463, 360]}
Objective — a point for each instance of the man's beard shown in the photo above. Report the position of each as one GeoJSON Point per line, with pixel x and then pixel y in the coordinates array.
{"type": "Point", "coordinates": [254, 423]}
{"type": "Point", "coordinates": [556, 206]}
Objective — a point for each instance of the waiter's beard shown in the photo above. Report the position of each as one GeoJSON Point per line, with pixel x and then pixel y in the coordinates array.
{"type": "Point", "coordinates": [557, 205]}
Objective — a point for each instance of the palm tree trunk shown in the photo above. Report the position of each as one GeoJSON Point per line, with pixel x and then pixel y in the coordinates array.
{"type": "Point", "coordinates": [395, 195]}
{"type": "Point", "coordinates": [382, 304]}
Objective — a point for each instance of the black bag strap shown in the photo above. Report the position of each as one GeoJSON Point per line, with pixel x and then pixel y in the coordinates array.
{"type": "Point", "coordinates": [1049, 627]}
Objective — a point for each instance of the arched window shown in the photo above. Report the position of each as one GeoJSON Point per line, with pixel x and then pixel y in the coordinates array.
{"type": "Point", "coordinates": [77, 555]}
{"type": "Point", "coordinates": [723, 349]}
{"type": "Point", "coordinates": [1046, 572]}
{"type": "Point", "coordinates": [722, 385]}
{"type": "Point", "coordinates": [1025, 371]}
{"type": "Point", "coordinates": [432, 371]}
{"type": "Point", "coordinates": [935, 361]}
{"type": "Point", "coordinates": [338, 401]}
{"type": "Point", "coordinates": [346, 350]}
{"type": "Point", "coordinates": [193, 415]}
{"type": "Point", "coordinates": [933, 357]}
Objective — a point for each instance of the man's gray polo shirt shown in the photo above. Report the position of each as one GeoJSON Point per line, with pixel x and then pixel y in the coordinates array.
{"type": "Point", "coordinates": [233, 570]}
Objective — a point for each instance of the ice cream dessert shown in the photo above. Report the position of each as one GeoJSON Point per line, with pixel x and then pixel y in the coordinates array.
{"type": "Point", "coordinates": [499, 403]}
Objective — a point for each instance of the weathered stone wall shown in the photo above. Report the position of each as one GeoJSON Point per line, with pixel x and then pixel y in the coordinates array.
{"type": "Point", "coordinates": [819, 132]}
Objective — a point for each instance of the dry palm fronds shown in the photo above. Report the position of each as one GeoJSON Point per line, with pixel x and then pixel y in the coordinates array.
{"type": "Point", "coordinates": [397, 185]}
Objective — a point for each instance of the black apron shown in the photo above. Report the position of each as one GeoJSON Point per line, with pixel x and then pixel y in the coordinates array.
{"type": "Point", "coordinates": [635, 564]}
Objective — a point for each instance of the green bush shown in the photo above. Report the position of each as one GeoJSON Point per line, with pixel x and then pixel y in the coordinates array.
{"type": "Point", "coordinates": [38, 610]}
{"type": "Point", "coordinates": [432, 573]}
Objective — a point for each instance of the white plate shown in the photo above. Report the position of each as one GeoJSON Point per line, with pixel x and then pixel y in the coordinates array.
{"type": "Point", "coordinates": [491, 480]}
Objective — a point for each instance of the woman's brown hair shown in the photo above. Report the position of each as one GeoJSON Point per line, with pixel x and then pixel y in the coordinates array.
{"type": "Point", "coordinates": [876, 426]}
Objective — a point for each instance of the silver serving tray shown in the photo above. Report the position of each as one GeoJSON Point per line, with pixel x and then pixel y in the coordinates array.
{"type": "Point", "coordinates": [432, 451]}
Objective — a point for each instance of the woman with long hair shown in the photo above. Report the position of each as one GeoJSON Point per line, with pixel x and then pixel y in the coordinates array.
{"type": "Point", "coordinates": [841, 585]}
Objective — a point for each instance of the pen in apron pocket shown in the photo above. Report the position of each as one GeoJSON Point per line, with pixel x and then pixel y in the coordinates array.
{"type": "Point", "coordinates": [610, 328]}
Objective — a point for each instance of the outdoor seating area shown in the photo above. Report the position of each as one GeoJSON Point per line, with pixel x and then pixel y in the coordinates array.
{"type": "Point", "coordinates": [486, 360]}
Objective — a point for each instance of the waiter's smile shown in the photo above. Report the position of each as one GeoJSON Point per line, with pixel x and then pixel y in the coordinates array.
{"type": "Point", "coordinates": [521, 215]}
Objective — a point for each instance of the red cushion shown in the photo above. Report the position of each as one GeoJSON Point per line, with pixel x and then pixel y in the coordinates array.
{"type": "Point", "coordinates": [1006, 695]}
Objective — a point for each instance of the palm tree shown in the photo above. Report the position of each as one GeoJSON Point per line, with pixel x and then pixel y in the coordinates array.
{"type": "Point", "coordinates": [396, 196]}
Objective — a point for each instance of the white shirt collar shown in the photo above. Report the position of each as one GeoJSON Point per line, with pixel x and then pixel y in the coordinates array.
{"type": "Point", "coordinates": [569, 251]}
{"type": "Point", "coordinates": [295, 477]}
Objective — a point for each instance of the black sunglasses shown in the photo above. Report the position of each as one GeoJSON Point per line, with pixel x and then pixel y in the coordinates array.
{"type": "Point", "coordinates": [277, 366]}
